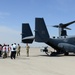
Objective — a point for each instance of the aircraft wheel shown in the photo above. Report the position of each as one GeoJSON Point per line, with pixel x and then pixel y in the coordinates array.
{"type": "Point", "coordinates": [66, 53]}
{"type": "Point", "coordinates": [54, 54]}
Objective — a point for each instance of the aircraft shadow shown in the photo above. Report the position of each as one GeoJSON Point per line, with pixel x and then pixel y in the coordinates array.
{"type": "Point", "coordinates": [52, 56]}
{"type": "Point", "coordinates": [60, 55]}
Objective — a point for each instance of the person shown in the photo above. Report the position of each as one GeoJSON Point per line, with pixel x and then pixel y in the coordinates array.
{"type": "Point", "coordinates": [13, 51]}
{"type": "Point", "coordinates": [27, 48]}
{"type": "Point", "coordinates": [11, 48]}
{"type": "Point", "coordinates": [0, 50]}
{"type": "Point", "coordinates": [4, 52]}
{"type": "Point", "coordinates": [18, 49]}
{"type": "Point", "coordinates": [7, 50]}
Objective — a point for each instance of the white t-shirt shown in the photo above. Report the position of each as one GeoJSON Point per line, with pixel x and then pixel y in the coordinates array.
{"type": "Point", "coordinates": [4, 48]}
{"type": "Point", "coordinates": [11, 48]}
{"type": "Point", "coordinates": [14, 46]}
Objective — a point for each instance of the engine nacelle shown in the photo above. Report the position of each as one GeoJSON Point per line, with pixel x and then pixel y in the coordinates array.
{"type": "Point", "coordinates": [67, 47]}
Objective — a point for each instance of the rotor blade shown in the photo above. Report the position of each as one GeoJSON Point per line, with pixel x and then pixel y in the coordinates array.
{"type": "Point", "coordinates": [65, 25]}
{"type": "Point", "coordinates": [56, 26]}
{"type": "Point", "coordinates": [68, 28]}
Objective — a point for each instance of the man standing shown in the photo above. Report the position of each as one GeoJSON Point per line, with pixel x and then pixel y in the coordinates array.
{"type": "Point", "coordinates": [4, 52]}
{"type": "Point", "coordinates": [14, 50]}
{"type": "Point", "coordinates": [27, 48]}
{"type": "Point", "coordinates": [18, 49]}
{"type": "Point", "coordinates": [11, 51]}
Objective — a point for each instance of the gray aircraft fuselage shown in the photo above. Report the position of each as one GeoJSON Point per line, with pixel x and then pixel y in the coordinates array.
{"type": "Point", "coordinates": [62, 44]}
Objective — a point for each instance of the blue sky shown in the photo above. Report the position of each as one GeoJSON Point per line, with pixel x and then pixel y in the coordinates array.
{"type": "Point", "coordinates": [15, 12]}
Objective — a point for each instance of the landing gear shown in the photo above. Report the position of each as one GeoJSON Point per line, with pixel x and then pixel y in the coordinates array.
{"type": "Point", "coordinates": [50, 53]}
{"type": "Point", "coordinates": [46, 51]}
{"type": "Point", "coordinates": [54, 54]}
{"type": "Point", "coordinates": [66, 53]}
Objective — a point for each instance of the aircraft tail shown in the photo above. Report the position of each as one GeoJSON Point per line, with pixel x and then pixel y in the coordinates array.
{"type": "Point", "coordinates": [27, 36]}
{"type": "Point", "coordinates": [41, 33]}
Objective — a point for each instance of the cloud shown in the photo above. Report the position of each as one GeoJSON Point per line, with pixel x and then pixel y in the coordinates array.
{"type": "Point", "coordinates": [9, 35]}
{"type": "Point", "coordinates": [5, 29]}
{"type": "Point", "coordinates": [4, 14]}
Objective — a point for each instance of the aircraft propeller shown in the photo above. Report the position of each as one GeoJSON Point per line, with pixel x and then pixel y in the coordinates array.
{"type": "Point", "coordinates": [61, 25]}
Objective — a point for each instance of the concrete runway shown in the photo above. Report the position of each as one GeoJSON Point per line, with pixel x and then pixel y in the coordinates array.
{"type": "Point", "coordinates": [38, 64]}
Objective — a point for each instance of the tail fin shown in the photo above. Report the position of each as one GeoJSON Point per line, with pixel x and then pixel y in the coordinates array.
{"type": "Point", "coordinates": [41, 33]}
{"type": "Point", "coordinates": [27, 36]}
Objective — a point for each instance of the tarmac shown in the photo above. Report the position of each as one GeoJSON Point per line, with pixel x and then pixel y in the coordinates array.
{"type": "Point", "coordinates": [38, 63]}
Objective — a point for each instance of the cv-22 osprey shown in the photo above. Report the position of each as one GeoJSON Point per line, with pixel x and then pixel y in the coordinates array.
{"type": "Point", "coordinates": [61, 45]}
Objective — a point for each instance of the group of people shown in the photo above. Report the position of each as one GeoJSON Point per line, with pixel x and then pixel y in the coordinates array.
{"type": "Point", "coordinates": [12, 51]}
